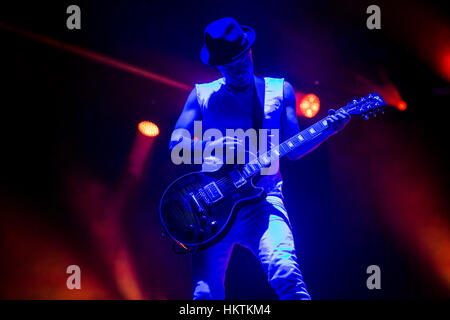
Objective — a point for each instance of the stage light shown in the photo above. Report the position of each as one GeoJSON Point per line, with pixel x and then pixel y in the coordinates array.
{"type": "Point", "coordinates": [148, 129]}
{"type": "Point", "coordinates": [309, 106]}
{"type": "Point", "coordinates": [446, 65]}
{"type": "Point", "coordinates": [401, 105]}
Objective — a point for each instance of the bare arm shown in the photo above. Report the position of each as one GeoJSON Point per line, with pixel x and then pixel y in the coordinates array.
{"type": "Point", "coordinates": [182, 134]}
{"type": "Point", "coordinates": [289, 124]}
{"type": "Point", "coordinates": [185, 123]}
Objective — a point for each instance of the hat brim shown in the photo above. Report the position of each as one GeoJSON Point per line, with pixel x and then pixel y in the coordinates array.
{"type": "Point", "coordinates": [207, 59]}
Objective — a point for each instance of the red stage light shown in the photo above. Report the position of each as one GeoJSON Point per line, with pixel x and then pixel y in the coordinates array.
{"type": "Point", "coordinates": [94, 56]}
{"type": "Point", "coordinates": [309, 106]}
{"type": "Point", "coordinates": [148, 128]}
{"type": "Point", "coordinates": [446, 65]}
{"type": "Point", "coordinates": [401, 105]}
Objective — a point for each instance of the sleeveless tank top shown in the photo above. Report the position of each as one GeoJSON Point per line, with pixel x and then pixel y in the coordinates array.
{"type": "Point", "coordinates": [221, 109]}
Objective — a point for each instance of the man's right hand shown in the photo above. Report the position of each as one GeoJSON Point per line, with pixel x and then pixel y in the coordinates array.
{"type": "Point", "coordinates": [226, 142]}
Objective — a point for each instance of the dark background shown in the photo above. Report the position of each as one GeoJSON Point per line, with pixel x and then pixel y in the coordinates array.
{"type": "Point", "coordinates": [375, 194]}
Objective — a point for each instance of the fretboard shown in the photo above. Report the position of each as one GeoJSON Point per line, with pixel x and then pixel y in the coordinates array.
{"type": "Point", "coordinates": [265, 159]}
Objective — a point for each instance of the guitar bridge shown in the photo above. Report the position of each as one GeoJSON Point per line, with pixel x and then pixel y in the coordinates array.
{"type": "Point", "coordinates": [213, 192]}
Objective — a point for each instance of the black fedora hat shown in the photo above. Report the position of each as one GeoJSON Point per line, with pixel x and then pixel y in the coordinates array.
{"type": "Point", "coordinates": [225, 41]}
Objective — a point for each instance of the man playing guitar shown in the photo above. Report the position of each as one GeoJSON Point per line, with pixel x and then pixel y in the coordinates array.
{"type": "Point", "coordinates": [243, 100]}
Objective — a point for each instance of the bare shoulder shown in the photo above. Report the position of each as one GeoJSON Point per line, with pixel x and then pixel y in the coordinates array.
{"type": "Point", "coordinates": [288, 91]}
{"type": "Point", "coordinates": [191, 101]}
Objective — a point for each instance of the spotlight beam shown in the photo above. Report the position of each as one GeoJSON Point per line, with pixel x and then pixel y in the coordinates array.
{"type": "Point", "coordinates": [97, 57]}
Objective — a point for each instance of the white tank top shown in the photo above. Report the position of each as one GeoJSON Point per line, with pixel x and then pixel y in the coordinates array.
{"type": "Point", "coordinates": [222, 109]}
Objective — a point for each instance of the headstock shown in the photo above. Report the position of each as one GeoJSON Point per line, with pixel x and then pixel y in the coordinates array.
{"type": "Point", "coordinates": [366, 107]}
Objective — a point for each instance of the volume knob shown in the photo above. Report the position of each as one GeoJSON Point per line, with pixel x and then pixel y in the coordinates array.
{"type": "Point", "coordinates": [213, 224]}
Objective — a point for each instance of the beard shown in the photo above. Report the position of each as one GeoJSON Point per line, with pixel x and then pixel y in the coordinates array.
{"type": "Point", "coordinates": [239, 74]}
{"type": "Point", "coordinates": [241, 80]}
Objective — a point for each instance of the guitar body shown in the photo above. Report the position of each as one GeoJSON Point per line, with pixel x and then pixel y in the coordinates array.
{"type": "Point", "coordinates": [199, 208]}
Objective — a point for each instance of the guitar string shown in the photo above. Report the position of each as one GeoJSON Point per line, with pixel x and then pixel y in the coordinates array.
{"type": "Point", "coordinates": [282, 146]}
{"type": "Point", "coordinates": [225, 181]}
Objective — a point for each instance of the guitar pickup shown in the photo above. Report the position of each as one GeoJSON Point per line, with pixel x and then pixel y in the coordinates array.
{"type": "Point", "coordinates": [204, 197]}
{"type": "Point", "coordinates": [237, 178]}
{"type": "Point", "coordinates": [213, 192]}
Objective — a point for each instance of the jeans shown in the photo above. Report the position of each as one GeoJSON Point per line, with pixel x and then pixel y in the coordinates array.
{"type": "Point", "coordinates": [263, 228]}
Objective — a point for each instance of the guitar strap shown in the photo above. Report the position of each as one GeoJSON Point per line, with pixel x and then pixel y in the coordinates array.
{"type": "Point", "coordinates": [258, 104]}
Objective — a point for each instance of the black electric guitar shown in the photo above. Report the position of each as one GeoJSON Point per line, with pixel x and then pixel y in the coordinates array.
{"type": "Point", "coordinates": [199, 208]}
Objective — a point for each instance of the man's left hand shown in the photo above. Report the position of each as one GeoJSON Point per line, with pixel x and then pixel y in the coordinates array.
{"type": "Point", "coordinates": [337, 120]}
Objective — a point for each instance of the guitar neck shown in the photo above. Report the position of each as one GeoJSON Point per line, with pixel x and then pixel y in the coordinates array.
{"type": "Point", "coordinates": [265, 159]}
{"type": "Point", "coordinates": [299, 139]}
{"type": "Point", "coordinates": [369, 105]}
